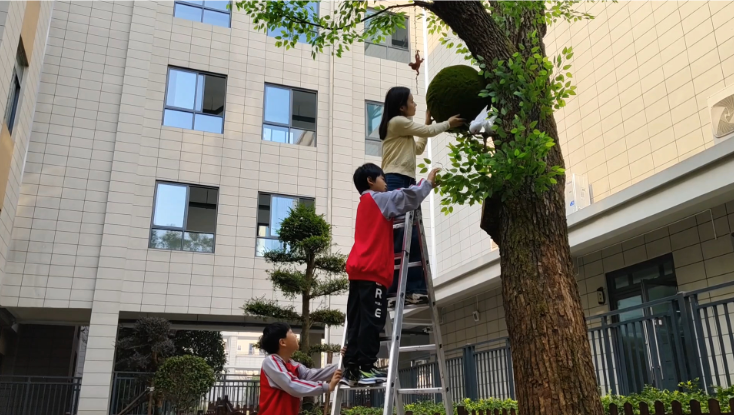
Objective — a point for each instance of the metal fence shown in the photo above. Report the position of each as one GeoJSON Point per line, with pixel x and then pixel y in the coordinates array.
{"type": "Point", "coordinates": [659, 343]}
{"type": "Point", "coordinates": [33, 395]}
{"type": "Point", "coordinates": [242, 391]}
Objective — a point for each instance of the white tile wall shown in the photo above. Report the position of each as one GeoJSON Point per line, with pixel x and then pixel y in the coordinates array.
{"type": "Point", "coordinates": [15, 242]}
{"type": "Point", "coordinates": [98, 147]}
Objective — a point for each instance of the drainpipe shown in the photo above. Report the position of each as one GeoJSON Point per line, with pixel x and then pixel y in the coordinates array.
{"type": "Point", "coordinates": [330, 173]}
{"type": "Point", "coordinates": [431, 199]}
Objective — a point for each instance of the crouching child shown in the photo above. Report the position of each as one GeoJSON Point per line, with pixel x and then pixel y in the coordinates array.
{"type": "Point", "coordinates": [283, 382]}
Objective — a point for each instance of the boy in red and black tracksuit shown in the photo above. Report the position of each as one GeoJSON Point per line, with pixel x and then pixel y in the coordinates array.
{"type": "Point", "coordinates": [370, 267]}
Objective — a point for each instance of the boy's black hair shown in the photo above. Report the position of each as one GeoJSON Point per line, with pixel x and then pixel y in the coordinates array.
{"type": "Point", "coordinates": [364, 172]}
{"type": "Point", "coordinates": [272, 334]}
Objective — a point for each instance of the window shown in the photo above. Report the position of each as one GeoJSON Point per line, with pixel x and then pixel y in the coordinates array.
{"type": "Point", "coordinates": [195, 100]}
{"type": "Point", "coordinates": [313, 10]}
{"type": "Point", "coordinates": [211, 12]}
{"type": "Point", "coordinates": [395, 47]}
{"type": "Point", "coordinates": [11, 110]}
{"type": "Point", "coordinates": [271, 210]}
{"type": "Point", "coordinates": [373, 144]}
{"type": "Point", "coordinates": [290, 116]}
{"type": "Point", "coordinates": [184, 217]}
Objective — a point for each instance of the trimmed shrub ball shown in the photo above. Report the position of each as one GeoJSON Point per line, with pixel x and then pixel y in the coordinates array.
{"type": "Point", "coordinates": [455, 90]}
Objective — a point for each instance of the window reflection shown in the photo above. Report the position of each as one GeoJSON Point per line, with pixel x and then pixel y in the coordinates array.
{"type": "Point", "coordinates": [395, 46]}
{"type": "Point", "coordinates": [272, 209]}
{"type": "Point", "coordinates": [184, 218]}
{"type": "Point", "coordinates": [290, 116]}
{"type": "Point", "coordinates": [195, 101]}
{"type": "Point", "coordinates": [373, 144]}
{"type": "Point", "coordinates": [211, 12]}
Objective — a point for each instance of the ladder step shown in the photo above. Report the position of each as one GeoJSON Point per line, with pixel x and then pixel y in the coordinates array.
{"type": "Point", "coordinates": [420, 391]}
{"type": "Point", "coordinates": [421, 348]}
{"type": "Point", "coordinates": [377, 386]}
{"type": "Point", "coordinates": [411, 265]}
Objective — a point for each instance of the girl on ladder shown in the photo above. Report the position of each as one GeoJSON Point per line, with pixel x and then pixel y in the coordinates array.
{"type": "Point", "coordinates": [402, 141]}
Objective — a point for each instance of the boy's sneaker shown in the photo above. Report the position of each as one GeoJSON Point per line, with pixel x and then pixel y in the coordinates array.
{"type": "Point", "coordinates": [380, 374]}
{"type": "Point", "coordinates": [372, 377]}
{"type": "Point", "coordinates": [416, 299]}
{"type": "Point", "coordinates": [350, 378]}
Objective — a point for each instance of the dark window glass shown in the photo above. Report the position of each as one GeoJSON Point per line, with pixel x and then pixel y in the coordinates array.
{"type": "Point", "coordinates": [210, 12]}
{"type": "Point", "coordinates": [271, 211]}
{"type": "Point", "coordinates": [394, 47]}
{"type": "Point", "coordinates": [373, 144]}
{"type": "Point", "coordinates": [21, 64]}
{"type": "Point", "coordinates": [184, 217]}
{"type": "Point", "coordinates": [290, 116]}
{"type": "Point", "coordinates": [195, 101]}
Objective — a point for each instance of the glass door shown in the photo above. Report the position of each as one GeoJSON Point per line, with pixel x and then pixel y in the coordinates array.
{"type": "Point", "coordinates": [643, 335]}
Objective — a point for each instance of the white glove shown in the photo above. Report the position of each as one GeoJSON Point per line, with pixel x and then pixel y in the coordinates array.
{"type": "Point", "coordinates": [482, 122]}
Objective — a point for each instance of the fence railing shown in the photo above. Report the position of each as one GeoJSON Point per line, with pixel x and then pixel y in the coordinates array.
{"type": "Point", "coordinates": [241, 391]}
{"type": "Point", "coordinates": [659, 343]}
{"type": "Point", "coordinates": [33, 395]}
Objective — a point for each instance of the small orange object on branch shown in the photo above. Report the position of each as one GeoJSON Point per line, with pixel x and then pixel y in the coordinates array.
{"type": "Point", "coordinates": [416, 66]}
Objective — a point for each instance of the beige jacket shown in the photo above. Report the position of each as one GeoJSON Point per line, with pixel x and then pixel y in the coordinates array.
{"type": "Point", "coordinates": [400, 148]}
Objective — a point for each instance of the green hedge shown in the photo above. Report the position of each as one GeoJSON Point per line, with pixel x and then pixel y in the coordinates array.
{"type": "Point", "coordinates": [688, 392]}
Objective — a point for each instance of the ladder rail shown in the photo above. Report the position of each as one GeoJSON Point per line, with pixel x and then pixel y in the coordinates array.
{"type": "Point", "coordinates": [437, 335]}
{"type": "Point", "coordinates": [393, 393]}
{"type": "Point", "coordinates": [390, 385]}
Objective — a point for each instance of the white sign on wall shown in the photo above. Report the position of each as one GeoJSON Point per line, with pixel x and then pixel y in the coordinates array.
{"type": "Point", "coordinates": [577, 193]}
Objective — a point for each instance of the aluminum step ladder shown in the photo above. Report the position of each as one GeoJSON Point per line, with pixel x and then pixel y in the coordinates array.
{"type": "Point", "coordinates": [394, 326]}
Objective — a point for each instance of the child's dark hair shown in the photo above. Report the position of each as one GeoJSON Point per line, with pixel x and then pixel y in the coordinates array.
{"type": "Point", "coordinates": [364, 172]}
{"type": "Point", "coordinates": [395, 98]}
{"type": "Point", "coordinates": [272, 334]}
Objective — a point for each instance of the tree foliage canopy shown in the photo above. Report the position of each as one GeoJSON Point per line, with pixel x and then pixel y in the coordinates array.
{"type": "Point", "coordinates": [182, 380]}
{"type": "Point", "coordinates": [305, 269]}
{"type": "Point", "coordinates": [523, 84]}
{"type": "Point", "coordinates": [147, 345]}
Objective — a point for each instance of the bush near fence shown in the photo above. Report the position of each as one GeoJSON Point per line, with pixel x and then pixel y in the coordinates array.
{"type": "Point", "coordinates": [714, 408]}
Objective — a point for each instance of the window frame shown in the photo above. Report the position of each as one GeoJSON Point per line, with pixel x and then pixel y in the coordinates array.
{"type": "Point", "coordinates": [270, 225]}
{"type": "Point", "coordinates": [193, 111]}
{"type": "Point", "coordinates": [390, 45]}
{"type": "Point", "coordinates": [290, 113]}
{"type": "Point", "coordinates": [185, 218]}
{"type": "Point", "coordinates": [20, 65]}
{"type": "Point", "coordinates": [316, 30]}
{"type": "Point", "coordinates": [203, 7]}
{"type": "Point", "coordinates": [367, 138]}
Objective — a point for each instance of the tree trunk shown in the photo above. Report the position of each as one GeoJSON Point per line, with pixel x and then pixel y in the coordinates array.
{"type": "Point", "coordinates": [551, 355]}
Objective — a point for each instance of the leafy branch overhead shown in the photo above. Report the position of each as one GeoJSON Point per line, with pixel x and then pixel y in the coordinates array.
{"type": "Point", "coordinates": [523, 86]}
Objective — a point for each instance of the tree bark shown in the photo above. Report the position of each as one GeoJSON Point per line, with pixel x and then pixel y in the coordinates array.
{"type": "Point", "coordinates": [551, 355]}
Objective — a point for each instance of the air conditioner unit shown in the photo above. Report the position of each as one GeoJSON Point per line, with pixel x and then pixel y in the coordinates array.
{"type": "Point", "coordinates": [721, 107]}
{"type": "Point", "coordinates": [577, 193]}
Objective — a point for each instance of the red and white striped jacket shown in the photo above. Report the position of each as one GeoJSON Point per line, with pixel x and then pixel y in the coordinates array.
{"type": "Point", "coordinates": [283, 384]}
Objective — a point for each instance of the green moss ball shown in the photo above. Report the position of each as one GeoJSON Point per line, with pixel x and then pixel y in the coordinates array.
{"type": "Point", "coordinates": [455, 90]}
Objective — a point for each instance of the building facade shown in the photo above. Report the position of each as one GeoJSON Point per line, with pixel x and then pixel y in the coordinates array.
{"type": "Point", "coordinates": [645, 142]}
{"type": "Point", "coordinates": [150, 150]}
{"type": "Point", "coordinates": [155, 149]}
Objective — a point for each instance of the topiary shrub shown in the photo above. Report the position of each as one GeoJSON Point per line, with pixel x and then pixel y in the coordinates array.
{"type": "Point", "coordinates": [182, 380]}
{"type": "Point", "coordinates": [455, 90]}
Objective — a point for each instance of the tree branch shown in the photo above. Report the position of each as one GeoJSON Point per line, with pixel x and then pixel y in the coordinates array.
{"type": "Point", "coordinates": [345, 25]}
